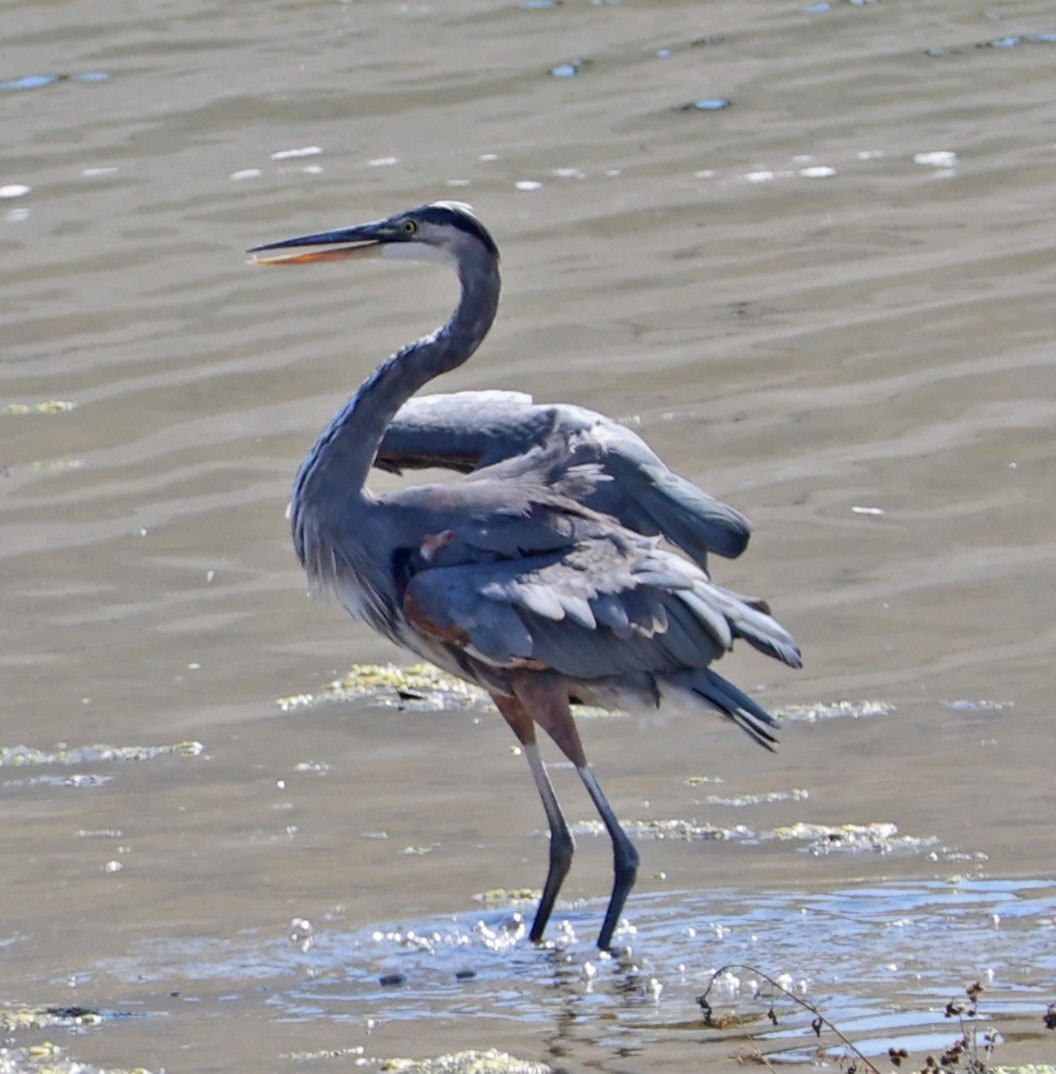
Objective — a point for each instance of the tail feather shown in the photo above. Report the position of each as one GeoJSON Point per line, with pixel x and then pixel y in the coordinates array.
{"type": "Point", "coordinates": [751, 620]}
{"type": "Point", "coordinates": [733, 703]}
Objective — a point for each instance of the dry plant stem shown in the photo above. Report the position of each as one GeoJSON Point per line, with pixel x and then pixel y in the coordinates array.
{"type": "Point", "coordinates": [820, 1021]}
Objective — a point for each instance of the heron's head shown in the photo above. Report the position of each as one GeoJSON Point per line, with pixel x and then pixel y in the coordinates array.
{"type": "Point", "coordinates": [446, 231]}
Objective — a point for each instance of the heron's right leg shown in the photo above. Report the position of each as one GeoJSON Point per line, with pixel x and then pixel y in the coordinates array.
{"type": "Point", "coordinates": [562, 844]}
{"type": "Point", "coordinates": [546, 697]}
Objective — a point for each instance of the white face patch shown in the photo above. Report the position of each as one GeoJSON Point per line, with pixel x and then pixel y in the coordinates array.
{"type": "Point", "coordinates": [418, 251]}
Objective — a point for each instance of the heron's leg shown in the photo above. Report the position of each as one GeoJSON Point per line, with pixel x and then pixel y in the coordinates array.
{"type": "Point", "coordinates": [562, 845]}
{"type": "Point", "coordinates": [624, 857]}
{"type": "Point", "coordinates": [545, 696]}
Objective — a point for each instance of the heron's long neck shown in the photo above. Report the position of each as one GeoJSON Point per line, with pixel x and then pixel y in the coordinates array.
{"type": "Point", "coordinates": [343, 454]}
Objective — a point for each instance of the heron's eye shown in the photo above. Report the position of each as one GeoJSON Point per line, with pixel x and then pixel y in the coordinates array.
{"type": "Point", "coordinates": [409, 227]}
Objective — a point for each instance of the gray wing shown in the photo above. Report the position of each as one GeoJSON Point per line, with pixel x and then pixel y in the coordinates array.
{"type": "Point", "coordinates": [611, 606]}
{"type": "Point", "coordinates": [468, 431]}
{"type": "Point", "coordinates": [461, 431]}
{"type": "Point", "coordinates": [507, 569]}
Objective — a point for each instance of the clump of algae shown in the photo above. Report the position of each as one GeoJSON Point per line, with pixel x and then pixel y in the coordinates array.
{"type": "Point", "coordinates": [17, 756]}
{"type": "Point", "coordinates": [420, 686]}
{"type": "Point", "coordinates": [490, 1061]}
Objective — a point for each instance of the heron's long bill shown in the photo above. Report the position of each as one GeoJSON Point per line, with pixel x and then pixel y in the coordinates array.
{"type": "Point", "coordinates": [364, 241]}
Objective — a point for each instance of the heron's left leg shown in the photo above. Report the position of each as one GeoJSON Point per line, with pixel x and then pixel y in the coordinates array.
{"type": "Point", "coordinates": [562, 845]}
{"type": "Point", "coordinates": [545, 696]}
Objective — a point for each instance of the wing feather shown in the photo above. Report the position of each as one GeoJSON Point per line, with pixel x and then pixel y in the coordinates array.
{"type": "Point", "coordinates": [611, 606]}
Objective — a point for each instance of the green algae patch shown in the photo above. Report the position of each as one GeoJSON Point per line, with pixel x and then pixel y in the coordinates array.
{"type": "Point", "coordinates": [49, 406]}
{"type": "Point", "coordinates": [45, 1017]}
{"type": "Point", "coordinates": [419, 686]}
{"type": "Point", "coordinates": [18, 756]}
{"type": "Point", "coordinates": [673, 828]}
{"type": "Point", "coordinates": [832, 710]}
{"type": "Point", "coordinates": [498, 897]}
{"type": "Point", "coordinates": [355, 1052]}
{"type": "Point", "coordinates": [880, 836]}
{"type": "Point", "coordinates": [491, 1061]}
{"type": "Point", "coordinates": [48, 1058]}
{"type": "Point", "coordinates": [797, 794]}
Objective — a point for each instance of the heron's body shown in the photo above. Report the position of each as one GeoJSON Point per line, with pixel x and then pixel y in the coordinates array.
{"type": "Point", "coordinates": [537, 575]}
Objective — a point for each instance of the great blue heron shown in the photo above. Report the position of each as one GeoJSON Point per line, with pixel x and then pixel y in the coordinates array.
{"type": "Point", "coordinates": [533, 577]}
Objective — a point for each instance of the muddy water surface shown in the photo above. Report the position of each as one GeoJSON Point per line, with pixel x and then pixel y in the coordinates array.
{"type": "Point", "coordinates": [830, 303]}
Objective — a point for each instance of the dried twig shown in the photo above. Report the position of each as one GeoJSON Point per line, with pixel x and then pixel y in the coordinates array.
{"type": "Point", "coordinates": [819, 1022]}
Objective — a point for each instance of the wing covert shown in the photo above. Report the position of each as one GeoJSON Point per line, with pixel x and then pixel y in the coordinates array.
{"type": "Point", "coordinates": [606, 607]}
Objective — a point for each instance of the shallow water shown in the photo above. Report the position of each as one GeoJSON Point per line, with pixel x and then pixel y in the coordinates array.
{"type": "Point", "coordinates": [828, 303]}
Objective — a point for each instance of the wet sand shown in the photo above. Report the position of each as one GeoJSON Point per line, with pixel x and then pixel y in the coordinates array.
{"type": "Point", "coordinates": [827, 303]}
